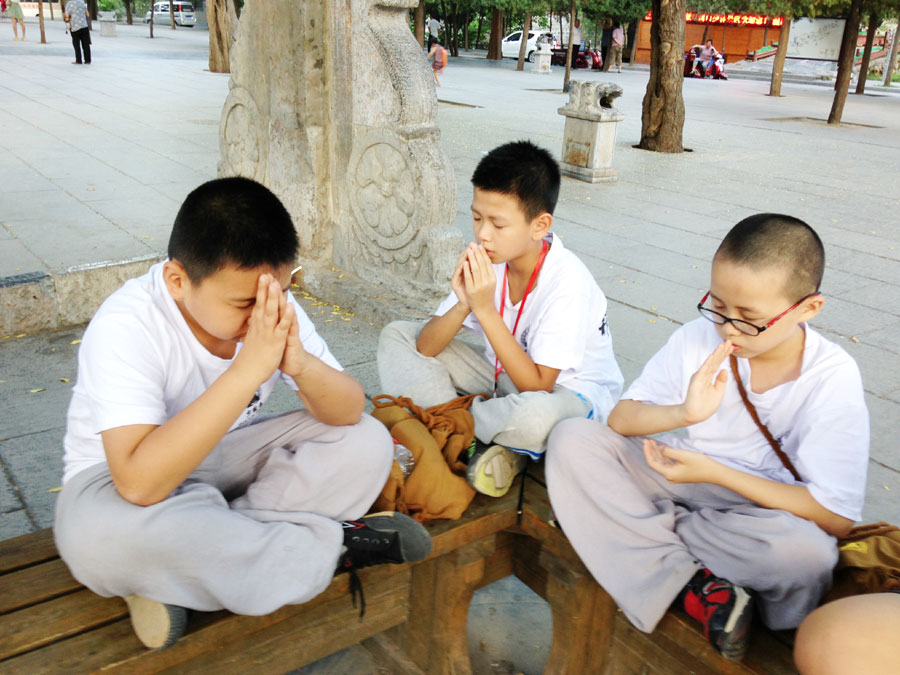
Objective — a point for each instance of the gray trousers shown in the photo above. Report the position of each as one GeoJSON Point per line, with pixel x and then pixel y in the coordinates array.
{"type": "Point", "coordinates": [254, 528]}
{"type": "Point", "coordinates": [643, 538]}
{"type": "Point", "coordinates": [521, 421]}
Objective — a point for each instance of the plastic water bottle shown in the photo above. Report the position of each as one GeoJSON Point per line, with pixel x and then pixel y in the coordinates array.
{"type": "Point", "coordinates": [404, 458]}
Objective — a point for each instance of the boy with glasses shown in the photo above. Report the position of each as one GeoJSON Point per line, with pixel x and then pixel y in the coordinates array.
{"type": "Point", "coordinates": [712, 517]}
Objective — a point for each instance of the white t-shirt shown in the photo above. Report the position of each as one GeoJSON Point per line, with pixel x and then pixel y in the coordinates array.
{"type": "Point", "coordinates": [563, 326]}
{"type": "Point", "coordinates": [139, 363]}
{"type": "Point", "coordinates": [434, 27]}
{"type": "Point", "coordinates": [820, 418]}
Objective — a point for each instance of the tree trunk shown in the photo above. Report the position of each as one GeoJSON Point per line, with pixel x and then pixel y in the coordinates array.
{"type": "Point", "coordinates": [631, 40]}
{"type": "Point", "coordinates": [662, 119]}
{"type": "Point", "coordinates": [221, 15]}
{"type": "Point", "coordinates": [41, 21]}
{"type": "Point", "coordinates": [171, 14]}
{"type": "Point", "coordinates": [92, 10]}
{"type": "Point", "coordinates": [129, 18]}
{"type": "Point", "coordinates": [466, 31]}
{"type": "Point", "coordinates": [846, 66]}
{"type": "Point", "coordinates": [571, 45]}
{"type": "Point", "coordinates": [778, 66]}
{"type": "Point", "coordinates": [51, 9]}
{"type": "Point", "coordinates": [523, 43]}
{"type": "Point", "coordinates": [845, 42]}
{"type": "Point", "coordinates": [494, 53]}
{"type": "Point", "coordinates": [891, 60]}
{"type": "Point", "coordinates": [152, 21]}
{"type": "Point", "coordinates": [419, 21]}
{"type": "Point", "coordinates": [874, 22]}
{"type": "Point", "coordinates": [478, 31]}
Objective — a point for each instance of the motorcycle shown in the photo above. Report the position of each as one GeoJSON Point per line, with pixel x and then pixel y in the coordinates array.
{"type": "Point", "coordinates": [693, 66]}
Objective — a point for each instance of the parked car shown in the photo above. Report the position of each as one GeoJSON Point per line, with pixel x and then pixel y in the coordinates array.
{"type": "Point", "coordinates": [509, 48]}
{"type": "Point", "coordinates": [184, 14]}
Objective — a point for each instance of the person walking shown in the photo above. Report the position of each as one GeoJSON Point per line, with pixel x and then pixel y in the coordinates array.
{"type": "Point", "coordinates": [76, 17]}
{"type": "Point", "coordinates": [618, 43]}
{"type": "Point", "coordinates": [14, 12]}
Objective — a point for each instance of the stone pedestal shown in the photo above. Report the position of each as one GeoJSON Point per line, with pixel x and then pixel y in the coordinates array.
{"type": "Point", "coordinates": [332, 106]}
{"type": "Point", "coordinates": [542, 58]}
{"type": "Point", "coordinates": [107, 24]}
{"type": "Point", "coordinates": [589, 138]}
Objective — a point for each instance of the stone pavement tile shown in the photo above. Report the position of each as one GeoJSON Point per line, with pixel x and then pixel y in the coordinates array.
{"type": "Point", "coordinates": [846, 285]}
{"type": "Point", "coordinates": [847, 318]}
{"type": "Point", "coordinates": [675, 239]}
{"type": "Point", "coordinates": [15, 258]}
{"type": "Point", "coordinates": [509, 622]}
{"type": "Point", "coordinates": [659, 299]}
{"type": "Point", "coordinates": [367, 375]}
{"type": "Point", "coordinates": [661, 264]}
{"type": "Point", "coordinates": [10, 498]}
{"type": "Point", "coordinates": [37, 362]}
{"type": "Point", "coordinates": [35, 464]}
{"type": "Point", "coordinates": [878, 366]}
{"type": "Point", "coordinates": [868, 265]}
{"type": "Point", "coordinates": [882, 494]}
{"type": "Point", "coordinates": [69, 243]}
{"type": "Point", "coordinates": [637, 336]}
{"type": "Point", "coordinates": [16, 523]}
{"type": "Point", "coordinates": [887, 339]}
{"type": "Point", "coordinates": [883, 416]}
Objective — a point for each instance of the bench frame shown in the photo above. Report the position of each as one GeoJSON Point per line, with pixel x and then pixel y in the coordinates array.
{"type": "Point", "coordinates": [415, 618]}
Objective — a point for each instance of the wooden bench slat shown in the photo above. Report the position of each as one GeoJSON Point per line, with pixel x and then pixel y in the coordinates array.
{"type": "Point", "coordinates": [35, 584]}
{"type": "Point", "coordinates": [60, 618]}
{"type": "Point", "coordinates": [27, 549]}
{"type": "Point", "coordinates": [314, 634]}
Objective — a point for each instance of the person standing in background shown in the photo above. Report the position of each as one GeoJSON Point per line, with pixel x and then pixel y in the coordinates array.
{"type": "Point", "coordinates": [76, 17]}
{"type": "Point", "coordinates": [618, 44]}
{"type": "Point", "coordinates": [14, 12]}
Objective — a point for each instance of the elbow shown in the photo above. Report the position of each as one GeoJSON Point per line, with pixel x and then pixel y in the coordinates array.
{"type": "Point", "coordinates": [138, 496]}
{"type": "Point", "coordinates": [615, 421]}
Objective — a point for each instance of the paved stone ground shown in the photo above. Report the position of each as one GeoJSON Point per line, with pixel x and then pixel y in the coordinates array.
{"type": "Point", "coordinates": [96, 160]}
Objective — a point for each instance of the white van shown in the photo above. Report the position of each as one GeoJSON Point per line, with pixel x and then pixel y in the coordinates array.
{"type": "Point", "coordinates": [184, 14]}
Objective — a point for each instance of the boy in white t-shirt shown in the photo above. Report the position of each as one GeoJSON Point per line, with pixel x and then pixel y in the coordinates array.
{"type": "Point", "coordinates": [174, 497]}
{"type": "Point", "coordinates": [548, 352]}
{"type": "Point", "coordinates": [707, 518]}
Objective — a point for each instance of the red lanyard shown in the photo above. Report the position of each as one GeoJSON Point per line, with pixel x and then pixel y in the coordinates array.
{"type": "Point", "coordinates": [498, 367]}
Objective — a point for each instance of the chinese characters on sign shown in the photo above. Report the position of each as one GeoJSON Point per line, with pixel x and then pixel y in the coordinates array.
{"type": "Point", "coordinates": [730, 19]}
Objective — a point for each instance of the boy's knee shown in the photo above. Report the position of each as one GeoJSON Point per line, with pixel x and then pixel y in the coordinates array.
{"type": "Point", "coordinates": [399, 333]}
{"type": "Point", "coordinates": [805, 556]}
{"type": "Point", "coordinates": [372, 435]}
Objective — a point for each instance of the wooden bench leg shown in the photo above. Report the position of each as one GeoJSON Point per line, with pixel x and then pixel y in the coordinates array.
{"type": "Point", "coordinates": [434, 636]}
{"type": "Point", "coordinates": [583, 613]}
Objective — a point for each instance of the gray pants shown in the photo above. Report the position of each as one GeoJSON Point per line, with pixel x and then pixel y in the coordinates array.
{"type": "Point", "coordinates": [520, 421]}
{"type": "Point", "coordinates": [254, 528]}
{"type": "Point", "coordinates": [643, 538]}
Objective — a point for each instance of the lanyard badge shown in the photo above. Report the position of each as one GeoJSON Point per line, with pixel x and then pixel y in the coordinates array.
{"type": "Point", "coordinates": [498, 367]}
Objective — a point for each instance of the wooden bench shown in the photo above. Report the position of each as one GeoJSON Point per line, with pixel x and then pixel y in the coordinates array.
{"type": "Point", "coordinates": [415, 619]}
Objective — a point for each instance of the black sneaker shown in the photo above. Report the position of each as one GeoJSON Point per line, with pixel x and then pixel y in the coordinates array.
{"type": "Point", "coordinates": [725, 610]}
{"type": "Point", "coordinates": [380, 538]}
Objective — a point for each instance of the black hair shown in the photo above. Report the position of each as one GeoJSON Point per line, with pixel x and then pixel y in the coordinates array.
{"type": "Point", "coordinates": [233, 221]}
{"type": "Point", "coordinates": [776, 240]}
{"type": "Point", "coordinates": [523, 170]}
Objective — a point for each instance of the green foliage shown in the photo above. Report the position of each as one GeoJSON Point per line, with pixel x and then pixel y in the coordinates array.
{"type": "Point", "coordinates": [116, 6]}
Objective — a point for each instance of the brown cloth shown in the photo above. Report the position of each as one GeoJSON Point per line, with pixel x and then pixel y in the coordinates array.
{"type": "Point", "coordinates": [436, 437]}
{"type": "Point", "coordinates": [869, 561]}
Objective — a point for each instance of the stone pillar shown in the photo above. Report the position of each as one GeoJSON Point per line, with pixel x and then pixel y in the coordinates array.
{"type": "Point", "coordinates": [542, 56]}
{"type": "Point", "coordinates": [589, 139]}
{"type": "Point", "coordinates": [331, 106]}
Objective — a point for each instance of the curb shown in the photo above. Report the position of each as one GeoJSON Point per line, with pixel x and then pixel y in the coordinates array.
{"type": "Point", "coordinates": [39, 301]}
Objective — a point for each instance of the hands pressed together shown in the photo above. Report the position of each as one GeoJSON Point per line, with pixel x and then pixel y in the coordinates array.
{"type": "Point", "coordinates": [474, 280]}
{"type": "Point", "coordinates": [273, 338]}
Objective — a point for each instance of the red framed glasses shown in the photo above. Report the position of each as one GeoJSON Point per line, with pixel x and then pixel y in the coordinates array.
{"type": "Point", "coordinates": [745, 327]}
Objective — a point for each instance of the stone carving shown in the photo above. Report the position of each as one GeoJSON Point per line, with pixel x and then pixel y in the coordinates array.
{"type": "Point", "coordinates": [589, 138]}
{"type": "Point", "coordinates": [332, 106]}
{"type": "Point", "coordinates": [592, 101]}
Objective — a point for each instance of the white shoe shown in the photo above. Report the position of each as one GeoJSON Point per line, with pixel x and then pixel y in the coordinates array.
{"type": "Point", "coordinates": [156, 624]}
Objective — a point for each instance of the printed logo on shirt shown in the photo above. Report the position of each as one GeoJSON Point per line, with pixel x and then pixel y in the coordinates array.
{"type": "Point", "coordinates": [603, 326]}
{"type": "Point", "coordinates": [523, 339]}
{"type": "Point", "coordinates": [250, 411]}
